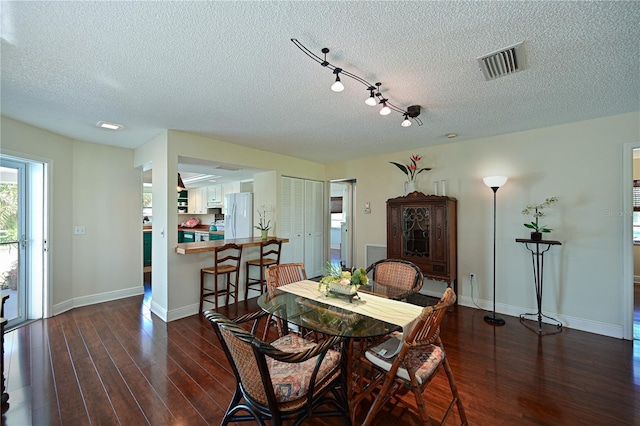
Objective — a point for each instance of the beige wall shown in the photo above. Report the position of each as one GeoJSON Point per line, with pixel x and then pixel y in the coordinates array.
{"type": "Point", "coordinates": [94, 186]}
{"type": "Point", "coordinates": [580, 163]}
{"type": "Point", "coordinates": [178, 280]}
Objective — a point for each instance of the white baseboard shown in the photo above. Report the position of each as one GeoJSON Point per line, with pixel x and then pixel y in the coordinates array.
{"type": "Point", "coordinates": [96, 298]}
{"type": "Point", "coordinates": [611, 330]}
{"type": "Point", "coordinates": [159, 311]}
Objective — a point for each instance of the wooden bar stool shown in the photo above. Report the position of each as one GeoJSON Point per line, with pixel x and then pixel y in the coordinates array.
{"type": "Point", "coordinates": [269, 255]}
{"type": "Point", "coordinates": [226, 260]}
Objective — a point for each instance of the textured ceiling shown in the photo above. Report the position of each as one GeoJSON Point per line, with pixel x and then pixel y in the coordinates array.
{"type": "Point", "coordinates": [228, 70]}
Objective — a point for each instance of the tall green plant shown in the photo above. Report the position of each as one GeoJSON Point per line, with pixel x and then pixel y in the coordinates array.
{"type": "Point", "coordinates": [8, 212]}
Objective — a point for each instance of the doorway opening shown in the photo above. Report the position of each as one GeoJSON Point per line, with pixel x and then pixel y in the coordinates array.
{"type": "Point", "coordinates": [636, 243]}
{"type": "Point", "coordinates": [342, 222]}
{"type": "Point", "coordinates": [23, 264]}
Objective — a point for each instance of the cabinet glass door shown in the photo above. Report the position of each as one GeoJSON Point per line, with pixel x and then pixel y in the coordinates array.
{"type": "Point", "coordinates": [415, 232]}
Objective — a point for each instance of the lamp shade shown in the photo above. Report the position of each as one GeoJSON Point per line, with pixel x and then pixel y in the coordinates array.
{"type": "Point", "coordinates": [495, 181]}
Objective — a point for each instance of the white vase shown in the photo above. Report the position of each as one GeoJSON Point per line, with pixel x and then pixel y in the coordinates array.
{"type": "Point", "coordinates": [409, 187]}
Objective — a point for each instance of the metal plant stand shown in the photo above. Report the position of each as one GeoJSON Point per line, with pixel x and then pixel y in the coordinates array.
{"type": "Point", "coordinates": [537, 261]}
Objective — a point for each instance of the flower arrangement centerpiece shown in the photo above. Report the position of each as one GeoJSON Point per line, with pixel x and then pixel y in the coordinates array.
{"type": "Point", "coordinates": [536, 212]}
{"type": "Point", "coordinates": [263, 224]}
{"type": "Point", "coordinates": [412, 171]}
{"type": "Point", "coordinates": [341, 282]}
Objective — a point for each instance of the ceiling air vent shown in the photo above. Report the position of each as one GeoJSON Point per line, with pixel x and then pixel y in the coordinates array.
{"type": "Point", "coordinates": [502, 62]}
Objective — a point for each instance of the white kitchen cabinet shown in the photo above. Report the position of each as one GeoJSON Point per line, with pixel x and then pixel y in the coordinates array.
{"type": "Point", "coordinates": [214, 196]}
{"type": "Point", "coordinates": [302, 222]}
{"type": "Point", "coordinates": [198, 200]}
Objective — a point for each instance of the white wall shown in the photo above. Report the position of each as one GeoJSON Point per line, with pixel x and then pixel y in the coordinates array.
{"type": "Point", "coordinates": [177, 276]}
{"type": "Point", "coordinates": [94, 186]}
{"type": "Point", "coordinates": [580, 163]}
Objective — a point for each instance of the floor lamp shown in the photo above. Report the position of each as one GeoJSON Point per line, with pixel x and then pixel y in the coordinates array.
{"type": "Point", "coordinates": [494, 182]}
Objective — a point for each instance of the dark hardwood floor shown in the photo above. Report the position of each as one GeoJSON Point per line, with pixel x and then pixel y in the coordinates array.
{"type": "Point", "coordinates": [115, 363]}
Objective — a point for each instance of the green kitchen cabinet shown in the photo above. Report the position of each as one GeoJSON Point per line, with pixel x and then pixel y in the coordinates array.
{"type": "Point", "coordinates": [188, 237]}
{"type": "Point", "coordinates": [146, 245]}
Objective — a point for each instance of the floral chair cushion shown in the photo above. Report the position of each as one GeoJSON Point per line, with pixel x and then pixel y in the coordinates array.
{"type": "Point", "coordinates": [291, 380]}
{"type": "Point", "coordinates": [424, 360]}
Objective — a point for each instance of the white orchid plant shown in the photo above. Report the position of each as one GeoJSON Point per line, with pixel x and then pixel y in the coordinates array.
{"type": "Point", "coordinates": [536, 212]}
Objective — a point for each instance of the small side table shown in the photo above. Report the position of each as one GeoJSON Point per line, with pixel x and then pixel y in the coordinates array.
{"type": "Point", "coordinates": [537, 261]}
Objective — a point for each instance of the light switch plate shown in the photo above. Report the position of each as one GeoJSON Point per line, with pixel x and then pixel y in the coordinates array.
{"type": "Point", "coordinates": [79, 230]}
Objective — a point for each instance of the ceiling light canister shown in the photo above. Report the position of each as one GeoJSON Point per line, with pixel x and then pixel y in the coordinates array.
{"type": "Point", "coordinates": [371, 100]}
{"type": "Point", "coordinates": [406, 122]}
{"type": "Point", "coordinates": [385, 109]}
{"type": "Point", "coordinates": [337, 86]}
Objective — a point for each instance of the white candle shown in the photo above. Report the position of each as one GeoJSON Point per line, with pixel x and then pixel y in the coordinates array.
{"type": "Point", "coordinates": [443, 184]}
{"type": "Point", "coordinates": [435, 187]}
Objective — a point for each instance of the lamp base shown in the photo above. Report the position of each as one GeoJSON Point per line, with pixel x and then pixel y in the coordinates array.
{"type": "Point", "coordinates": [493, 319]}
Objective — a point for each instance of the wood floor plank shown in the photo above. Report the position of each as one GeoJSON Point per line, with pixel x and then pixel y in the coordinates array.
{"type": "Point", "coordinates": [70, 399]}
{"type": "Point", "coordinates": [176, 373]}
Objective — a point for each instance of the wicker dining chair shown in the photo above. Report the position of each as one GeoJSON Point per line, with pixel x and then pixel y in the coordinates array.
{"type": "Point", "coordinates": [290, 379]}
{"type": "Point", "coordinates": [283, 274]}
{"type": "Point", "coordinates": [420, 358]}
{"type": "Point", "coordinates": [277, 276]}
{"type": "Point", "coordinates": [397, 273]}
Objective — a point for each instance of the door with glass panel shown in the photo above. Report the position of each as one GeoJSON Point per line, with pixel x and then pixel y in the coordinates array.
{"type": "Point", "coordinates": [13, 240]}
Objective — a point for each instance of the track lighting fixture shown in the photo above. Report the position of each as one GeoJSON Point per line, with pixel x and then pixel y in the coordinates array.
{"type": "Point", "coordinates": [385, 108]}
{"type": "Point", "coordinates": [337, 86]}
{"type": "Point", "coordinates": [371, 100]}
{"type": "Point", "coordinates": [375, 96]}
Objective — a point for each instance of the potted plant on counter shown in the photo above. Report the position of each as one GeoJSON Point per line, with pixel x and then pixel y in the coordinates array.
{"type": "Point", "coordinates": [263, 224]}
{"type": "Point", "coordinates": [536, 212]}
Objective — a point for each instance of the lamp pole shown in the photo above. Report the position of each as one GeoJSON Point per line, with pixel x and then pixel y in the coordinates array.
{"type": "Point", "coordinates": [494, 182]}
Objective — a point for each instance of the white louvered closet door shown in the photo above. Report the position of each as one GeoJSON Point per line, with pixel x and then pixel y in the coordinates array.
{"type": "Point", "coordinates": [292, 220]}
{"type": "Point", "coordinates": [314, 228]}
{"type": "Point", "coordinates": [302, 222]}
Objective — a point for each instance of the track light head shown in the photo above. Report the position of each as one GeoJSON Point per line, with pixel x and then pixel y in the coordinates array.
{"type": "Point", "coordinates": [406, 122]}
{"type": "Point", "coordinates": [337, 86]}
{"type": "Point", "coordinates": [385, 109]}
{"type": "Point", "coordinates": [371, 100]}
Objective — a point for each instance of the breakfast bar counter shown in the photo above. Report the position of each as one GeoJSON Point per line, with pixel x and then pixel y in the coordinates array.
{"type": "Point", "coordinates": [205, 246]}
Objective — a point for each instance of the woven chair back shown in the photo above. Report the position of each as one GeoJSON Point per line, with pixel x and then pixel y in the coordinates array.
{"type": "Point", "coordinates": [427, 330]}
{"type": "Point", "coordinates": [397, 273]}
{"type": "Point", "coordinates": [283, 274]}
{"type": "Point", "coordinates": [243, 358]}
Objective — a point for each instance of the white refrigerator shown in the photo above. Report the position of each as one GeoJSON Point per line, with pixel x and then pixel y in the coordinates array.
{"type": "Point", "coordinates": [238, 222]}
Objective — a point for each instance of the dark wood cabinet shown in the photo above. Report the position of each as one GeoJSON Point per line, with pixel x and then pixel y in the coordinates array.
{"type": "Point", "coordinates": [422, 229]}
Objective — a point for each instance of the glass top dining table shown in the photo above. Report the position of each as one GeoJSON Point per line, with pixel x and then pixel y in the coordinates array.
{"type": "Point", "coordinates": [318, 315]}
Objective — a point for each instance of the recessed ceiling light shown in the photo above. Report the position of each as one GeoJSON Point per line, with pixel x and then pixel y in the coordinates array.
{"type": "Point", "coordinates": [110, 126]}
{"type": "Point", "coordinates": [451, 135]}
